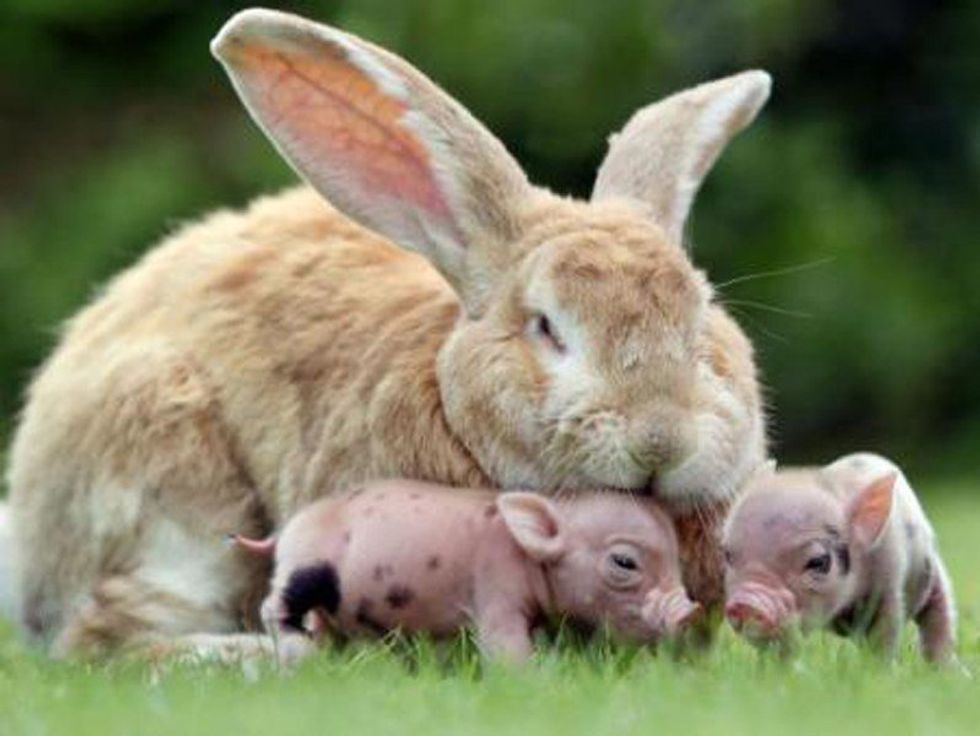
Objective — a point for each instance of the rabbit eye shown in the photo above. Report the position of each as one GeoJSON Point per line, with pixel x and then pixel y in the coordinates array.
{"type": "Point", "coordinates": [541, 326]}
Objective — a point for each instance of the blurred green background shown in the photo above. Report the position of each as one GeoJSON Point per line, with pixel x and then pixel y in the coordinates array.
{"type": "Point", "coordinates": [860, 182]}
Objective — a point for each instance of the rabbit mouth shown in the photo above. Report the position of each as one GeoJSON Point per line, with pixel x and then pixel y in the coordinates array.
{"type": "Point", "coordinates": [652, 488]}
{"type": "Point", "coordinates": [647, 490]}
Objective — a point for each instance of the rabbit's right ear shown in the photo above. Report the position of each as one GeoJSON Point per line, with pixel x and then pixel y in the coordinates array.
{"type": "Point", "coordinates": [662, 155]}
{"type": "Point", "coordinates": [380, 141]}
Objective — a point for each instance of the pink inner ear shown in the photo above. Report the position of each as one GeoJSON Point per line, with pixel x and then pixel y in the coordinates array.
{"type": "Point", "coordinates": [333, 121]}
{"type": "Point", "coordinates": [873, 507]}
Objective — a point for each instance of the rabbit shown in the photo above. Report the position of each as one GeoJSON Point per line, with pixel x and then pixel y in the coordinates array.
{"type": "Point", "coordinates": [417, 309]}
{"type": "Point", "coordinates": [7, 602]}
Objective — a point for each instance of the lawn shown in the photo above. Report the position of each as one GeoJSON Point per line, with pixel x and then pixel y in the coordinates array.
{"type": "Point", "coordinates": [415, 689]}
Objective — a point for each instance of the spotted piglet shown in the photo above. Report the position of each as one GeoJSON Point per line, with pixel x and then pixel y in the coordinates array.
{"type": "Point", "coordinates": [846, 546]}
{"type": "Point", "coordinates": [422, 558]}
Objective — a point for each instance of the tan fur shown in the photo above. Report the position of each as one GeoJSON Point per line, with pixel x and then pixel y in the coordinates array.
{"type": "Point", "coordinates": [723, 107]}
{"type": "Point", "coordinates": [259, 359]}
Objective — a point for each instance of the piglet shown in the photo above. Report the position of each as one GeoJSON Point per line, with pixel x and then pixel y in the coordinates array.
{"type": "Point", "coordinates": [422, 558]}
{"type": "Point", "coordinates": [846, 546]}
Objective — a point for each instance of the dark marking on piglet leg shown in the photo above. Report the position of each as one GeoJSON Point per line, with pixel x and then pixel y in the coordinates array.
{"type": "Point", "coordinates": [314, 586]}
{"type": "Point", "coordinates": [910, 530]}
{"type": "Point", "coordinates": [937, 620]}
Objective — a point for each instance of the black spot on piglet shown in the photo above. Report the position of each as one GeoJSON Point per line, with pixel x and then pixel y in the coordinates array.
{"type": "Point", "coordinates": [315, 586]}
{"type": "Point", "coordinates": [399, 596]}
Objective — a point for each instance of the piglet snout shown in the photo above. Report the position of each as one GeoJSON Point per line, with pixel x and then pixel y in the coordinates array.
{"type": "Point", "coordinates": [744, 616]}
{"type": "Point", "coordinates": [758, 611]}
{"type": "Point", "coordinates": [670, 612]}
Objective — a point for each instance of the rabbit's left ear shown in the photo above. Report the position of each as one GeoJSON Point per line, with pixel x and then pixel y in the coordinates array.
{"type": "Point", "coordinates": [380, 141]}
{"type": "Point", "coordinates": [662, 155]}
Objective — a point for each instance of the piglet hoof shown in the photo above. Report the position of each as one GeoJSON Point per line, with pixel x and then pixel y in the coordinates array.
{"type": "Point", "coordinates": [949, 662]}
{"type": "Point", "coordinates": [293, 648]}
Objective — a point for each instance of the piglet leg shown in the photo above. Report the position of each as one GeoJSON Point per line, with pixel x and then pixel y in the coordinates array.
{"type": "Point", "coordinates": [289, 645]}
{"type": "Point", "coordinates": [886, 628]}
{"type": "Point", "coordinates": [504, 634]}
{"type": "Point", "coordinates": [937, 620]}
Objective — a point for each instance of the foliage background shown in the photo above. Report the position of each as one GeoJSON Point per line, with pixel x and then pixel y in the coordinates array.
{"type": "Point", "coordinates": [861, 179]}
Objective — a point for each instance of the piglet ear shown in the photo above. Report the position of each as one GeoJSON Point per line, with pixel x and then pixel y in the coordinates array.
{"type": "Point", "coordinates": [533, 522]}
{"type": "Point", "coordinates": [870, 510]}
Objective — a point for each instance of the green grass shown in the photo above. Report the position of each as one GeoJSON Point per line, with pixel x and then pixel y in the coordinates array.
{"type": "Point", "coordinates": [832, 687]}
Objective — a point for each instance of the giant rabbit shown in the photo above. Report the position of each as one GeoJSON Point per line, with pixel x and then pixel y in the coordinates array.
{"type": "Point", "coordinates": [418, 310]}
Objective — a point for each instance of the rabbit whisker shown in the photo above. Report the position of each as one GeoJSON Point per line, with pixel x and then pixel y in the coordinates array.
{"type": "Point", "coordinates": [766, 308]}
{"type": "Point", "coordinates": [775, 272]}
{"type": "Point", "coordinates": [758, 325]}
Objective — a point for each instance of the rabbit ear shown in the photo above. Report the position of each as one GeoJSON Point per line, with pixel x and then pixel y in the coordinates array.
{"type": "Point", "coordinates": [379, 140]}
{"type": "Point", "coordinates": [666, 149]}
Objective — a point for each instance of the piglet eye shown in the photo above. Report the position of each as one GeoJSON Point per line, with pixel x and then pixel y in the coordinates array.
{"type": "Point", "coordinates": [819, 564]}
{"type": "Point", "coordinates": [623, 561]}
{"type": "Point", "coordinates": [541, 326]}
{"type": "Point", "coordinates": [621, 567]}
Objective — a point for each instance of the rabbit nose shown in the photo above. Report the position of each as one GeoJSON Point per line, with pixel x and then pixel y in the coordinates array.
{"type": "Point", "coordinates": [661, 442]}
{"type": "Point", "coordinates": [653, 453]}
